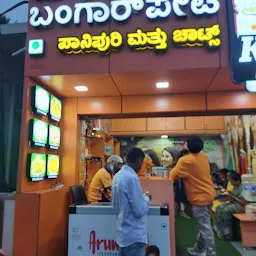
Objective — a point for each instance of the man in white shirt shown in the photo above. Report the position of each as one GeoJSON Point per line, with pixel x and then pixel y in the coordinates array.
{"type": "Point", "coordinates": [131, 206]}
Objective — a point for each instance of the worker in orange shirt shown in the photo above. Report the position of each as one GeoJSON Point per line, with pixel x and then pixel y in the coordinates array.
{"type": "Point", "coordinates": [147, 164]}
{"type": "Point", "coordinates": [100, 186]}
{"type": "Point", "coordinates": [194, 169]}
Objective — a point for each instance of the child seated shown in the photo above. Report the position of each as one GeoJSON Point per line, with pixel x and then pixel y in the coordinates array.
{"type": "Point", "coordinates": [152, 250]}
{"type": "Point", "coordinates": [221, 182]}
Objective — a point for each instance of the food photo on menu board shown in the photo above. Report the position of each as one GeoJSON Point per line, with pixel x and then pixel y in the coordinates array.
{"type": "Point", "coordinates": [36, 166]}
{"type": "Point", "coordinates": [38, 133]}
{"type": "Point", "coordinates": [40, 100]}
{"type": "Point", "coordinates": [55, 108]}
{"type": "Point", "coordinates": [54, 137]}
{"type": "Point", "coordinates": [53, 166]}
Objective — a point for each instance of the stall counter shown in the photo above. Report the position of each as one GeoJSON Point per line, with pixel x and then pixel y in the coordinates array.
{"type": "Point", "coordinates": [92, 230]}
{"type": "Point", "coordinates": [162, 192]}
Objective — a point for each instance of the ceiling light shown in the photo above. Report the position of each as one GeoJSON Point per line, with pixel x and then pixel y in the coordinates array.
{"type": "Point", "coordinates": [251, 86]}
{"type": "Point", "coordinates": [162, 85]}
{"type": "Point", "coordinates": [164, 136]}
{"type": "Point", "coordinates": [47, 78]}
{"type": "Point", "coordinates": [81, 88]}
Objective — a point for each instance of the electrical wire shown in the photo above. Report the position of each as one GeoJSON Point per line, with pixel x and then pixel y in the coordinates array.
{"type": "Point", "coordinates": [13, 7]}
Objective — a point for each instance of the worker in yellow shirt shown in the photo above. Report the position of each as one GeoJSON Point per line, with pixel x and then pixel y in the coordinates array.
{"type": "Point", "coordinates": [194, 169]}
{"type": "Point", "coordinates": [100, 186]}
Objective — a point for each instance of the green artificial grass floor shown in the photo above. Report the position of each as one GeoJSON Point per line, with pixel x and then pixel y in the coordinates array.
{"type": "Point", "coordinates": [186, 236]}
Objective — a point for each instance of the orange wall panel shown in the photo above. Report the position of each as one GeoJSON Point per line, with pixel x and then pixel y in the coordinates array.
{"type": "Point", "coordinates": [70, 143]}
{"type": "Point", "coordinates": [53, 223]}
{"type": "Point", "coordinates": [26, 225]}
{"type": "Point", "coordinates": [41, 223]}
{"type": "Point", "coordinates": [169, 103]}
{"type": "Point", "coordinates": [231, 101]}
{"type": "Point", "coordinates": [99, 105]}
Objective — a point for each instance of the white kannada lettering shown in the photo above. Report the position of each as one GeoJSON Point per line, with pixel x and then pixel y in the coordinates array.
{"type": "Point", "coordinates": [200, 7]}
{"type": "Point", "coordinates": [120, 10]}
{"type": "Point", "coordinates": [137, 5]}
{"type": "Point", "coordinates": [176, 7]}
{"type": "Point", "coordinates": [34, 12]}
{"type": "Point", "coordinates": [37, 21]}
{"type": "Point", "coordinates": [67, 17]}
{"type": "Point", "coordinates": [100, 15]}
{"type": "Point", "coordinates": [155, 11]}
{"type": "Point", "coordinates": [248, 49]}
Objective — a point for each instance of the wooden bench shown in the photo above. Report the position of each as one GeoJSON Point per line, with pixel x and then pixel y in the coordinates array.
{"type": "Point", "coordinates": [248, 230]}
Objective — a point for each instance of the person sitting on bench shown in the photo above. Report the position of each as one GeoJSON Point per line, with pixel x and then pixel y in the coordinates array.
{"type": "Point", "coordinates": [224, 213]}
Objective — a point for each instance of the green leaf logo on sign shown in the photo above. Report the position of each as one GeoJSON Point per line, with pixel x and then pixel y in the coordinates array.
{"type": "Point", "coordinates": [210, 146]}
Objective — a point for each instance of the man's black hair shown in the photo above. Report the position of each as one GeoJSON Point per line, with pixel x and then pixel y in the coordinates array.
{"type": "Point", "coordinates": [224, 171]}
{"type": "Point", "coordinates": [195, 144]}
{"type": "Point", "coordinates": [219, 182]}
{"type": "Point", "coordinates": [133, 155]}
{"type": "Point", "coordinates": [152, 249]}
{"type": "Point", "coordinates": [235, 176]}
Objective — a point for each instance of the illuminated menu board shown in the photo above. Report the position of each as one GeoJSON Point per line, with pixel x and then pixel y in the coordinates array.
{"type": "Point", "coordinates": [38, 134]}
{"type": "Point", "coordinates": [53, 166]}
{"type": "Point", "coordinates": [54, 137]}
{"type": "Point", "coordinates": [40, 100]}
{"type": "Point", "coordinates": [36, 167]}
{"type": "Point", "coordinates": [55, 108]}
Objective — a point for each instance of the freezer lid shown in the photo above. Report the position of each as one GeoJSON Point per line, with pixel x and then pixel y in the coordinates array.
{"type": "Point", "coordinates": [107, 209]}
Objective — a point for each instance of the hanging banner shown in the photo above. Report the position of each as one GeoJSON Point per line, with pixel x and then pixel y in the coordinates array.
{"type": "Point", "coordinates": [242, 39]}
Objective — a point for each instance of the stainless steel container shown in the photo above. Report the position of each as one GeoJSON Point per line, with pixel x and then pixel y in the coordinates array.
{"type": "Point", "coordinates": [161, 172]}
{"type": "Point", "coordinates": [166, 175]}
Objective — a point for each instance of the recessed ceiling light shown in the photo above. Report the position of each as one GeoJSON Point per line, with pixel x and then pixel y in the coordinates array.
{"type": "Point", "coordinates": [164, 136]}
{"type": "Point", "coordinates": [162, 85]}
{"type": "Point", "coordinates": [47, 78]}
{"type": "Point", "coordinates": [81, 88]}
{"type": "Point", "coordinates": [251, 86]}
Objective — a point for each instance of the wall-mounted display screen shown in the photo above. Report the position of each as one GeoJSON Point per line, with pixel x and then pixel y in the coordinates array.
{"type": "Point", "coordinates": [54, 137]}
{"type": "Point", "coordinates": [36, 166]}
{"type": "Point", "coordinates": [55, 108]}
{"type": "Point", "coordinates": [38, 133]}
{"type": "Point", "coordinates": [40, 100]}
{"type": "Point", "coordinates": [53, 166]}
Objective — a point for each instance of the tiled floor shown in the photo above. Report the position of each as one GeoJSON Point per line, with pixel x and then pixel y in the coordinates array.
{"type": "Point", "coordinates": [248, 252]}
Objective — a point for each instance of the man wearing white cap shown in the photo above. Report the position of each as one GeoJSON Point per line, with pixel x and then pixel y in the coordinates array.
{"type": "Point", "coordinates": [100, 187]}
